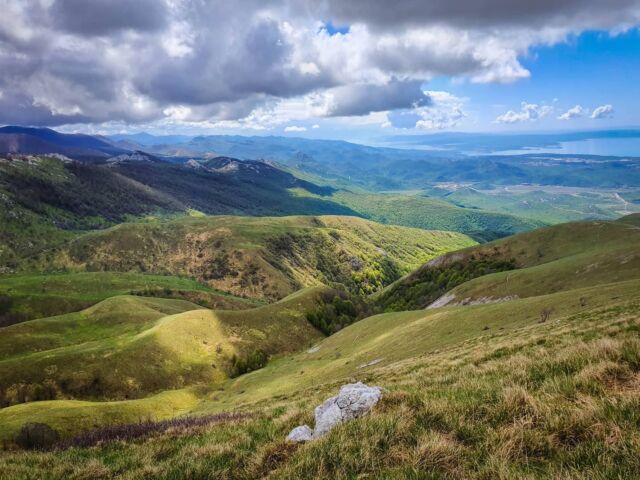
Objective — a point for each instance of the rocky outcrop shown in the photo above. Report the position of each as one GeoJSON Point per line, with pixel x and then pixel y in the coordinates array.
{"type": "Point", "coordinates": [353, 401]}
{"type": "Point", "coordinates": [447, 300]}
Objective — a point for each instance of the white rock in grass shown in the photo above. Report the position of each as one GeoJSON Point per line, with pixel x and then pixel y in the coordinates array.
{"type": "Point", "coordinates": [300, 434]}
{"type": "Point", "coordinates": [353, 401]}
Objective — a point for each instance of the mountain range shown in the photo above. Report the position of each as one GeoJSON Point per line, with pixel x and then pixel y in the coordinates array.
{"type": "Point", "coordinates": [173, 306]}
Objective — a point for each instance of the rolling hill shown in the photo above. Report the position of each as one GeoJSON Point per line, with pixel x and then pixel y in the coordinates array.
{"type": "Point", "coordinates": [471, 391]}
{"type": "Point", "coordinates": [266, 257]}
{"type": "Point", "coordinates": [553, 259]}
{"type": "Point", "coordinates": [129, 347]}
{"type": "Point", "coordinates": [25, 297]}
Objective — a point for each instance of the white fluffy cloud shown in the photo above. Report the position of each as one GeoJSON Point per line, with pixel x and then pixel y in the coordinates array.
{"type": "Point", "coordinates": [258, 64]}
{"type": "Point", "coordinates": [529, 112]}
{"type": "Point", "coordinates": [574, 112]}
{"type": "Point", "coordinates": [295, 128]}
{"type": "Point", "coordinates": [446, 111]}
{"type": "Point", "coordinates": [603, 111]}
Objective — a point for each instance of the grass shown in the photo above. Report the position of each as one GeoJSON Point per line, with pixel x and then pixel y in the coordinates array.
{"type": "Point", "coordinates": [392, 337]}
{"type": "Point", "coordinates": [129, 347]}
{"type": "Point", "coordinates": [541, 386]}
{"type": "Point", "coordinates": [536, 400]}
{"type": "Point", "coordinates": [561, 258]}
{"type": "Point", "coordinates": [37, 295]}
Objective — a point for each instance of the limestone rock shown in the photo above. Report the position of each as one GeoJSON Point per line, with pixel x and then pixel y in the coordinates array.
{"type": "Point", "coordinates": [353, 401]}
{"type": "Point", "coordinates": [300, 434]}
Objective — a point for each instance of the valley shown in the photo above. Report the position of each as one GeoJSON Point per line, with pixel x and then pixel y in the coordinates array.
{"type": "Point", "coordinates": [228, 296]}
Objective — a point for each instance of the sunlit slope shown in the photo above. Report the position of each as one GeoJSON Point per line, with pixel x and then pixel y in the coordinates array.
{"type": "Point", "coordinates": [557, 399]}
{"type": "Point", "coordinates": [548, 260]}
{"type": "Point", "coordinates": [23, 297]}
{"type": "Point", "coordinates": [129, 347]}
{"type": "Point", "coordinates": [388, 338]}
{"type": "Point", "coordinates": [260, 257]}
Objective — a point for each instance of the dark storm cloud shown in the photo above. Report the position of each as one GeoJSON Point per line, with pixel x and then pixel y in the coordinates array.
{"type": "Point", "coordinates": [18, 109]}
{"type": "Point", "coordinates": [478, 13]}
{"type": "Point", "coordinates": [102, 17]}
{"type": "Point", "coordinates": [364, 99]}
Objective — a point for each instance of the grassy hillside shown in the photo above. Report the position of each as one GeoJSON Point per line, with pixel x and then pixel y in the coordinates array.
{"type": "Point", "coordinates": [267, 257]}
{"type": "Point", "coordinates": [127, 347]}
{"type": "Point", "coordinates": [45, 200]}
{"type": "Point", "coordinates": [470, 392]}
{"type": "Point", "coordinates": [543, 261]}
{"type": "Point", "coordinates": [24, 297]}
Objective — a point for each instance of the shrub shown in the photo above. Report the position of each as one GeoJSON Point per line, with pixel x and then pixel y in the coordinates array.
{"type": "Point", "coordinates": [254, 361]}
{"type": "Point", "coordinates": [37, 436]}
{"type": "Point", "coordinates": [333, 315]}
{"type": "Point", "coordinates": [6, 302]}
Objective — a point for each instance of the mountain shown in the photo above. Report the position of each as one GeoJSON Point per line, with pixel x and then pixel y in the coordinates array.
{"type": "Point", "coordinates": [143, 139]}
{"type": "Point", "coordinates": [50, 199]}
{"type": "Point", "coordinates": [47, 199]}
{"type": "Point", "coordinates": [383, 168]}
{"type": "Point", "coordinates": [40, 141]}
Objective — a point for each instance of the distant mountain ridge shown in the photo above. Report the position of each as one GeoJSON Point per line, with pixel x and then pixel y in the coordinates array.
{"type": "Point", "coordinates": [40, 141]}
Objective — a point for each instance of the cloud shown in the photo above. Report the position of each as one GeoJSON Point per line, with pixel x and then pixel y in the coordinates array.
{"type": "Point", "coordinates": [102, 17]}
{"type": "Point", "coordinates": [259, 64]}
{"type": "Point", "coordinates": [485, 14]}
{"type": "Point", "coordinates": [362, 99]}
{"type": "Point", "coordinates": [529, 112]}
{"type": "Point", "coordinates": [315, 126]}
{"type": "Point", "coordinates": [574, 112]}
{"type": "Point", "coordinates": [603, 111]}
{"type": "Point", "coordinates": [294, 128]}
{"type": "Point", "coordinates": [446, 111]}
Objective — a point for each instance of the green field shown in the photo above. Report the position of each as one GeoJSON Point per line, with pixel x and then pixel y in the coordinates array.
{"type": "Point", "coordinates": [416, 210]}
{"type": "Point", "coordinates": [548, 260]}
{"type": "Point", "coordinates": [471, 392]}
{"type": "Point", "coordinates": [549, 204]}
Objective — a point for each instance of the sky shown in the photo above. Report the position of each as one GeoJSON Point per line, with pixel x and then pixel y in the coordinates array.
{"type": "Point", "coordinates": [349, 69]}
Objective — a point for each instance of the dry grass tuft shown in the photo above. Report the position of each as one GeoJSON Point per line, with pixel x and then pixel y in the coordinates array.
{"type": "Point", "coordinates": [439, 453]}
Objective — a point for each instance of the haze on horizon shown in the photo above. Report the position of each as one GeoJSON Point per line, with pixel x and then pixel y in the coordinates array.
{"type": "Point", "coordinates": [333, 69]}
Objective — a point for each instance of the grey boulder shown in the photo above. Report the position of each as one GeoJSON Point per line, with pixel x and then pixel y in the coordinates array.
{"type": "Point", "coordinates": [353, 401]}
